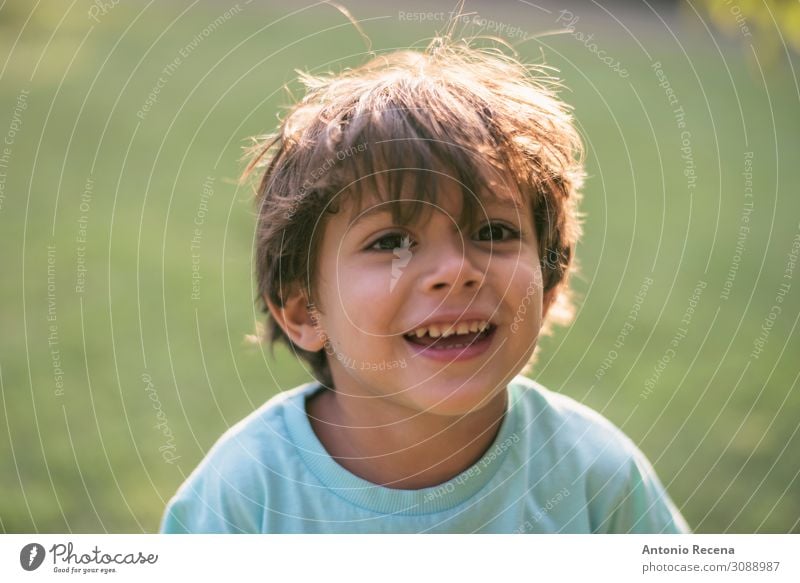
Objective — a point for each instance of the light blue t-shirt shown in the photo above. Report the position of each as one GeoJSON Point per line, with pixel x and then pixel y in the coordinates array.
{"type": "Point", "coordinates": [555, 466]}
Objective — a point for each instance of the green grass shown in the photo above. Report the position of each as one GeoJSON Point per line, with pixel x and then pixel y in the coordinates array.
{"type": "Point", "coordinates": [719, 426]}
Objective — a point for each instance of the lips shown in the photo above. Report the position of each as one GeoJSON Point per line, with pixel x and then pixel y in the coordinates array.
{"type": "Point", "coordinates": [452, 334]}
{"type": "Point", "coordinates": [454, 348]}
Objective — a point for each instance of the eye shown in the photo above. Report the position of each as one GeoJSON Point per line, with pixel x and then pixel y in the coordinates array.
{"type": "Point", "coordinates": [494, 232]}
{"type": "Point", "coordinates": [391, 241]}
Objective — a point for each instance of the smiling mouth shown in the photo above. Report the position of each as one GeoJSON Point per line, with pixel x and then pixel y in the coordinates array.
{"type": "Point", "coordinates": [452, 341]}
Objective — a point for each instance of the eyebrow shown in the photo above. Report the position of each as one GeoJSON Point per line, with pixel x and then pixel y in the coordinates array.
{"type": "Point", "coordinates": [375, 210]}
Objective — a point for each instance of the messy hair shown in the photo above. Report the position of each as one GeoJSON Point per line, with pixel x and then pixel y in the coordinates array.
{"type": "Point", "coordinates": [494, 124]}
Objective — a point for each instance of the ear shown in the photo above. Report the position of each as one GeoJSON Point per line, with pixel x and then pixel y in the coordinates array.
{"type": "Point", "coordinates": [297, 320]}
{"type": "Point", "coordinates": [548, 299]}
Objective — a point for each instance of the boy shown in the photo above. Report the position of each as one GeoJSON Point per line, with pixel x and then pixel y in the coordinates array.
{"type": "Point", "coordinates": [416, 225]}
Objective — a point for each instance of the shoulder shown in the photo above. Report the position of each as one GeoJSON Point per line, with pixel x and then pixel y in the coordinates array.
{"type": "Point", "coordinates": [226, 492]}
{"type": "Point", "coordinates": [572, 425]}
{"type": "Point", "coordinates": [258, 440]}
{"type": "Point", "coordinates": [623, 492]}
{"type": "Point", "coordinates": [262, 430]}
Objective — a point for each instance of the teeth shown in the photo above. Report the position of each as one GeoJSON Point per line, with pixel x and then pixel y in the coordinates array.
{"type": "Point", "coordinates": [445, 330]}
{"type": "Point", "coordinates": [449, 347]}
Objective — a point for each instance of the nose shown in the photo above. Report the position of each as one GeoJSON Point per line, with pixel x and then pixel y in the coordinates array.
{"type": "Point", "coordinates": [451, 266]}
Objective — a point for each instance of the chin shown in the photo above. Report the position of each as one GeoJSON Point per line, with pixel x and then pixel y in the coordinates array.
{"type": "Point", "coordinates": [454, 397]}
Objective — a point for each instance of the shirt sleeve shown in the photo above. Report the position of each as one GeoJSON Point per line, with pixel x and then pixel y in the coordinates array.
{"type": "Point", "coordinates": [644, 507]}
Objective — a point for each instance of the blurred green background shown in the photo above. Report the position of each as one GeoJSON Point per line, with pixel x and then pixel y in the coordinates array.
{"type": "Point", "coordinates": [116, 380]}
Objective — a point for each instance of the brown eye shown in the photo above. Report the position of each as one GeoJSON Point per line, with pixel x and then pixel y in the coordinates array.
{"type": "Point", "coordinates": [391, 241]}
{"type": "Point", "coordinates": [494, 232]}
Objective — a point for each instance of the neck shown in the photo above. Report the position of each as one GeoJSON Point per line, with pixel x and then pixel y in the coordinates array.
{"type": "Point", "coordinates": [401, 448]}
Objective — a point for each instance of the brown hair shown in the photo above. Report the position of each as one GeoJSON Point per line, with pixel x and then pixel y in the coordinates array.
{"type": "Point", "coordinates": [480, 114]}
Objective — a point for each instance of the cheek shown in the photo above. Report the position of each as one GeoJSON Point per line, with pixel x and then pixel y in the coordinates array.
{"type": "Point", "coordinates": [363, 302]}
{"type": "Point", "coordinates": [525, 291]}
{"type": "Point", "coordinates": [519, 272]}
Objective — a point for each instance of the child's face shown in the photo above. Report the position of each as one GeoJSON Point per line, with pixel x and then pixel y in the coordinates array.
{"type": "Point", "coordinates": [378, 281]}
